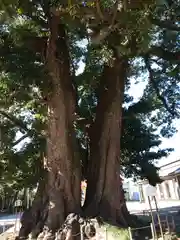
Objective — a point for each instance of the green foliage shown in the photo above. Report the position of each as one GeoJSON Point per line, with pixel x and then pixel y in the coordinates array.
{"type": "Point", "coordinates": [24, 82]}
{"type": "Point", "coordinates": [140, 144]}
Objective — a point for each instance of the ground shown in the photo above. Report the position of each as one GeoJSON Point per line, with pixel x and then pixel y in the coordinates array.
{"type": "Point", "coordinates": [166, 207]}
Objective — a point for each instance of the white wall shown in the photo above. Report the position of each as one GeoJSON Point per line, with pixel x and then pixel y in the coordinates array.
{"type": "Point", "coordinates": [172, 189]}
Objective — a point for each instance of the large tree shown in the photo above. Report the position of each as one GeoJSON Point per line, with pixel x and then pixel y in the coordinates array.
{"type": "Point", "coordinates": [48, 32]}
{"type": "Point", "coordinates": [21, 163]}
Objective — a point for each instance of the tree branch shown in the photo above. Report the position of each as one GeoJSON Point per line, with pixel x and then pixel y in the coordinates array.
{"type": "Point", "coordinates": [19, 123]}
{"type": "Point", "coordinates": [100, 14]}
{"type": "Point", "coordinates": [167, 55]}
{"type": "Point", "coordinates": [40, 21]}
{"type": "Point", "coordinates": [165, 24]}
{"type": "Point", "coordinates": [159, 95]}
{"type": "Point", "coordinates": [115, 11]}
{"type": "Point", "coordinates": [20, 139]}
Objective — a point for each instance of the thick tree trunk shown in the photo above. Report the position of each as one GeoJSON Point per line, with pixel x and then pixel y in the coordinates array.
{"type": "Point", "coordinates": [105, 196]}
{"type": "Point", "coordinates": [62, 163]}
{"type": "Point", "coordinates": [33, 219]}
{"type": "Point", "coordinates": [62, 188]}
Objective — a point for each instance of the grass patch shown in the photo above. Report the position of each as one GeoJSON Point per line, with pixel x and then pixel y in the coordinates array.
{"type": "Point", "coordinates": [113, 232]}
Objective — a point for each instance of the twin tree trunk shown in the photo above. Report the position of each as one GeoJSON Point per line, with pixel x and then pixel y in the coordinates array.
{"type": "Point", "coordinates": [62, 193]}
{"type": "Point", "coordinates": [104, 190]}
{"type": "Point", "coordinates": [63, 164]}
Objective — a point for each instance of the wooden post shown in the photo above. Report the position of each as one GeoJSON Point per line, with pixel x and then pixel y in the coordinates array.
{"type": "Point", "coordinates": [152, 218]}
{"type": "Point", "coordinates": [15, 225]}
{"type": "Point", "coordinates": [173, 223]}
{"type": "Point", "coordinates": [106, 234]}
{"type": "Point", "coordinates": [152, 231]}
{"type": "Point", "coordinates": [167, 221]}
{"type": "Point", "coordinates": [18, 206]}
{"type": "Point", "coordinates": [27, 198]}
{"type": "Point", "coordinates": [4, 229]}
{"type": "Point", "coordinates": [130, 234]}
{"type": "Point", "coordinates": [159, 220]}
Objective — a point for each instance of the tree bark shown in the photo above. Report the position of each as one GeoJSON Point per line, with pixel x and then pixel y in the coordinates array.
{"type": "Point", "coordinates": [62, 163]}
{"type": "Point", "coordinates": [105, 195]}
{"type": "Point", "coordinates": [33, 219]}
{"type": "Point", "coordinates": [62, 192]}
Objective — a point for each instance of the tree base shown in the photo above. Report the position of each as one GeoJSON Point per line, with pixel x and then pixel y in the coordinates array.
{"type": "Point", "coordinates": [73, 228]}
{"type": "Point", "coordinates": [34, 221]}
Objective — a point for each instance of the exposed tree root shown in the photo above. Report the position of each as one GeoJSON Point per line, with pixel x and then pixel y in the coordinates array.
{"type": "Point", "coordinates": [73, 228]}
{"type": "Point", "coordinates": [33, 219]}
